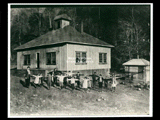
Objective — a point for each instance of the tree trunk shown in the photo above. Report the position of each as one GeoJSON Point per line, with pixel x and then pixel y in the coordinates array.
{"type": "Point", "coordinates": [137, 38]}
{"type": "Point", "coordinates": [19, 35]}
{"type": "Point", "coordinates": [50, 21]}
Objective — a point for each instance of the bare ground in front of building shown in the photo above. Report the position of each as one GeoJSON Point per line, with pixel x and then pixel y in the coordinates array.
{"type": "Point", "coordinates": [55, 102]}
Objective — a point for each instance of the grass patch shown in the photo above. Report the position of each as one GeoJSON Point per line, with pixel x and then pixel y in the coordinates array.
{"type": "Point", "coordinates": [125, 100]}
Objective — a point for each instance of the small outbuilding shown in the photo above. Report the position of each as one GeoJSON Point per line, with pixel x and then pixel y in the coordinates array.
{"type": "Point", "coordinates": [139, 68]}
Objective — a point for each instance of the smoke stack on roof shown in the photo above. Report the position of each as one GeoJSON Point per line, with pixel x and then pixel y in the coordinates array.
{"type": "Point", "coordinates": [62, 20]}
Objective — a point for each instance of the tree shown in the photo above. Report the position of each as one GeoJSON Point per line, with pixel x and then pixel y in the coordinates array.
{"type": "Point", "coordinates": [19, 26]}
{"type": "Point", "coordinates": [132, 34]}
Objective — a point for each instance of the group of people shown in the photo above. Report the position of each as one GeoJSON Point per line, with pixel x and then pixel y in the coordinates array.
{"type": "Point", "coordinates": [102, 81]}
{"type": "Point", "coordinates": [37, 81]}
{"type": "Point", "coordinates": [62, 79]}
{"type": "Point", "coordinates": [55, 78]}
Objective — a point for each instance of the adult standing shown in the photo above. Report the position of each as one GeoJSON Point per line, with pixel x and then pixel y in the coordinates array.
{"type": "Point", "coordinates": [28, 73]}
{"type": "Point", "coordinates": [94, 79]}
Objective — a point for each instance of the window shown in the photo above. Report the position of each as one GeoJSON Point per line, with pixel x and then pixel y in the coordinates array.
{"type": "Point", "coordinates": [51, 58]}
{"type": "Point", "coordinates": [81, 57]}
{"type": "Point", "coordinates": [103, 58]}
{"type": "Point", "coordinates": [26, 59]}
{"type": "Point", "coordinates": [100, 57]}
{"type": "Point", "coordinates": [78, 59]}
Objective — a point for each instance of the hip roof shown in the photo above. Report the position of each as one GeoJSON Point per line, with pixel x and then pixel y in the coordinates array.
{"type": "Point", "coordinates": [63, 35]}
{"type": "Point", "coordinates": [137, 62]}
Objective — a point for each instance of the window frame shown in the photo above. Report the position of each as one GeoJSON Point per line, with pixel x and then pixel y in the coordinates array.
{"type": "Point", "coordinates": [81, 58]}
{"type": "Point", "coordinates": [104, 61]}
{"type": "Point", "coordinates": [51, 58]}
{"type": "Point", "coordinates": [27, 56]}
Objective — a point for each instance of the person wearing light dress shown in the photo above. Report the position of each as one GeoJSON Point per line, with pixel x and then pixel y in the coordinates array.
{"type": "Point", "coordinates": [114, 83]}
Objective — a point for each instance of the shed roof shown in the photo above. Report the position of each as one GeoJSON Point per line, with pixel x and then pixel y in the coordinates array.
{"type": "Point", "coordinates": [63, 35]}
{"type": "Point", "coordinates": [137, 62]}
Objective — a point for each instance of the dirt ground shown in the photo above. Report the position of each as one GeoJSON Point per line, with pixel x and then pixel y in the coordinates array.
{"type": "Point", "coordinates": [55, 102]}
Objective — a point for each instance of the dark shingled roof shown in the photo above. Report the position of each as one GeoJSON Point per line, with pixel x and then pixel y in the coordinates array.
{"type": "Point", "coordinates": [63, 35]}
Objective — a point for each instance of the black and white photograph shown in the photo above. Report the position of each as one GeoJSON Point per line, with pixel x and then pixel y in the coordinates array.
{"type": "Point", "coordinates": [80, 60]}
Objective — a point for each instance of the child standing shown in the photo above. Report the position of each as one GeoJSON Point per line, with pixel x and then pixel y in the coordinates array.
{"type": "Point", "coordinates": [72, 83]}
{"type": "Point", "coordinates": [78, 77]}
{"type": "Point", "coordinates": [100, 82]}
{"type": "Point", "coordinates": [49, 80]}
{"type": "Point", "coordinates": [61, 78]}
{"type": "Point", "coordinates": [114, 83]}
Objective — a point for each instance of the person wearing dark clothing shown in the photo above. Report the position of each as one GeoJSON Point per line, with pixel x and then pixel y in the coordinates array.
{"type": "Point", "coordinates": [49, 75]}
{"type": "Point", "coordinates": [65, 82]}
{"type": "Point", "coordinates": [94, 79]}
{"type": "Point", "coordinates": [28, 74]}
{"type": "Point", "coordinates": [100, 82]}
{"type": "Point", "coordinates": [54, 74]}
{"type": "Point", "coordinates": [78, 77]}
{"type": "Point", "coordinates": [72, 83]}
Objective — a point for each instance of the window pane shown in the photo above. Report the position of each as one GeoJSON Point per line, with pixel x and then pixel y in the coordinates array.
{"type": "Point", "coordinates": [100, 57]}
{"type": "Point", "coordinates": [105, 57]}
{"type": "Point", "coordinates": [53, 58]}
{"type": "Point", "coordinates": [26, 59]}
{"type": "Point", "coordinates": [77, 57]}
{"type": "Point", "coordinates": [83, 57]}
{"type": "Point", "coordinates": [48, 58]}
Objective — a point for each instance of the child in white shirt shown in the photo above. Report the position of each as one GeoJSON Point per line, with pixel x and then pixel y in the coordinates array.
{"type": "Point", "coordinates": [37, 79]}
{"type": "Point", "coordinates": [61, 78]}
{"type": "Point", "coordinates": [114, 83]}
{"type": "Point", "coordinates": [72, 83]}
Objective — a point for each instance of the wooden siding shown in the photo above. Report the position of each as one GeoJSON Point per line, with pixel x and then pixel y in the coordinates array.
{"type": "Point", "coordinates": [60, 58]}
{"type": "Point", "coordinates": [92, 55]}
{"type": "Point", "coordinates": [63, 53]}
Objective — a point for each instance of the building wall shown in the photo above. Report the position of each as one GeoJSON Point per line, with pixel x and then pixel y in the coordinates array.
{"type": "Point", "coordinates": [92, 55]}
{"type": "Point", "coordinates": [63, 63]}
{"type": "Point", "coordinates": [60, 58]}
{"type": "Point", "coordinates": [139, 72]}
{"type": "Point", "coordinates": [64, 23]}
